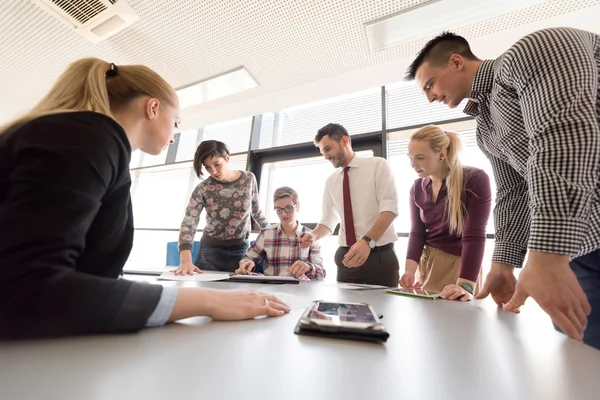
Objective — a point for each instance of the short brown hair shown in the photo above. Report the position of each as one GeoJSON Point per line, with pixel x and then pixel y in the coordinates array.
{"type": "Point", "coordinates": [284, 192]}
{"type": "Point", "coordinates": [209, 149]}
{"type": "Point", "coordinates": [334, 131]}
{"type": "Point", "coordinates": [439, 50]}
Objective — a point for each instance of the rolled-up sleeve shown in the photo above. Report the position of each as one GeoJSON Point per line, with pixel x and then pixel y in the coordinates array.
{"type": "Point", "coordinates": [385, 188]}
{"type": "Point", "coordinates": [163, 309]}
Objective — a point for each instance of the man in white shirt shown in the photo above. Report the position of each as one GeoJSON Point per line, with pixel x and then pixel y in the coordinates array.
{"type": "Point", "coordinates": [362, 192]}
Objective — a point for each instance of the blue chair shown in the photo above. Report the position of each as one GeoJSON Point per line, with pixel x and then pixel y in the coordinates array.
{"type": "Point", "coordinates": [173, 253]}
{"type": "Point", "coordinates": [174, 260]}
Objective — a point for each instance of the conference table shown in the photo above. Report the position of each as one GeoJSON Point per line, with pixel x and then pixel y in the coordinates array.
{"type": "Point", "coordinates": [437, 349]}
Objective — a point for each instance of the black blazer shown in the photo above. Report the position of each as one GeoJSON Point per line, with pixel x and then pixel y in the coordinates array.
{"type": "Point", "coordinates": [66, 229]}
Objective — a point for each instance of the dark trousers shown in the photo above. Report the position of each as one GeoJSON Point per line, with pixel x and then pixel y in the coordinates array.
{"type": "Point", "coordinates": [380, 268]}
{"type": "Point", "coordinates": [220, 258]}
{"type": "Point", "coordinates": [587, 271]}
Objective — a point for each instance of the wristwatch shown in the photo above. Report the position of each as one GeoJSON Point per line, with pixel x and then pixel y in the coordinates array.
{"type": "Point", "coordinates": [369, 241]}
{"type": "Point", "coordinates": [467, 286]}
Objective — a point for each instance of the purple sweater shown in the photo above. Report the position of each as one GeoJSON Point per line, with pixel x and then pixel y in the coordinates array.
{"type": "Point", "coordinates": [429, 223]}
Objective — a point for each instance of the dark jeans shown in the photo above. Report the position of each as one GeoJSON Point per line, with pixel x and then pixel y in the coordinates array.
{"type": "Point", "coordinates": [381, 268]}
{"type": "Point", "coordinates": [220, 258]}
{"type": "Point", "coordinates": [587, 271]}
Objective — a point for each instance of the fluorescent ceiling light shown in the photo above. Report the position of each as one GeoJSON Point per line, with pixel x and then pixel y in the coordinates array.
{"type": "Point", "coordinates": [219, 86]}
{"type": "Point", "coordinates": [432, 17]}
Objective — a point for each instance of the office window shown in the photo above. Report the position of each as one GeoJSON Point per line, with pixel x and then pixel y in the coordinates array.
{"type": "Point", "coordinates": [406, 106]}
{"type": "Point", "coordinates": [140, 159]}
{"type": "Point", "coordinates": [149, 160]}
{"type": "Point", "coordinates": [359, 113]}
{"type": "Point", "coordinates": [160, 196]}
{"type": "Point", "coordinates": [268, 138]}
{"type": "Point", "coordinates": [238, 162]}
{"type": "Point", "coordinates": [235, 134]}
{"type": "Point", "coordinates": [149, 251]}
{"type": "Point", "coordinates": [136, 159]}
{"type": "Point", "coordinates": [472, 156]}
{"type": "Point", "coordinates": [405, 175]}
{"type": "Point", "coordinates": [306, 176]}
{"type": "Point", "coordinates": [188, 142]}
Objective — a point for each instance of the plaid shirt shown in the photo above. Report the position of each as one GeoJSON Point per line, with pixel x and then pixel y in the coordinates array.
{"type": "Point", "coordinates": [280, 252]}
{"type": "Point", "coordinates": [537, 110]}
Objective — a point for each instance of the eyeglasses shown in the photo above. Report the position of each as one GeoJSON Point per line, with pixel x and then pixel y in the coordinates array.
{"type": "Point", "coordinates": [288, 209]}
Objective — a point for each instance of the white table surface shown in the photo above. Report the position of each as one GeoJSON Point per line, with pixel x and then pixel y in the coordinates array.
{"type": "Point", "coordinates": [436, 350]}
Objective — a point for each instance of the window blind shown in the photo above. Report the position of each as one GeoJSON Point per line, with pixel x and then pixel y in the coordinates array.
{"type": "Point", "coordinates": [407, 106]}
{"type": "Point", "coordinates": [235, 134]}
{"type": "Point", "coordinates": [188, 142]}
{"type": "Point", "coordinates": [358, 112]}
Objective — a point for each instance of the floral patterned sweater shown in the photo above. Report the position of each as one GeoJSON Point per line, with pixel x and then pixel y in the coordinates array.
{"type": "Point", "coordinates": [228, 207]}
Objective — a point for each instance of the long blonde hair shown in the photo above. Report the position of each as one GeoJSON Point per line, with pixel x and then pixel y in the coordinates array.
{"type": "Point", "coordinates": [86, 86]}
{"type": "Point", "coordinates": [439, 140]}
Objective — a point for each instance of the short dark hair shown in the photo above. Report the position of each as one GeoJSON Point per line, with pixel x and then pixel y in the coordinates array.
{"type": "Point", "coordinates": [209, 149]}
{"type": "Point", "coordinates": [334, 131]}
{"type": "Point", "coordinates": [438, 51]}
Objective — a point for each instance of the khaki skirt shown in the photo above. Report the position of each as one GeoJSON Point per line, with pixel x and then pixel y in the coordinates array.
{"type": "Point", "coordinates": [438, 269]}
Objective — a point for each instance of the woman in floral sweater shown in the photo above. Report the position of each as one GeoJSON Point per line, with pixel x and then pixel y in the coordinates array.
{"type": "Point", "coordinates": [230, 198]}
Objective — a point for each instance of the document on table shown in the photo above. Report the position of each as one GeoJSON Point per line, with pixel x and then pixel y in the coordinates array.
{"type": "Point", "coordinates": [204, 277]}
{"type": "Point", "coordinates": [356, 286]}
{"type": "Point", "coordinates": [292, 301]}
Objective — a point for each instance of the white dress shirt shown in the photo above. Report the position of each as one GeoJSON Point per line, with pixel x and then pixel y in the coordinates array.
{"type": "Point", "coordinates": [372, 191]}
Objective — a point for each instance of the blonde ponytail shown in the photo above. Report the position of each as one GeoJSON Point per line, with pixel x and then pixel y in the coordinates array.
{"type": "Point", "coordinates": [86, 86]}
{"type": "Point", "coordinates": [455, 207]}
{"type": "Point", "coordinates": [439, 140]}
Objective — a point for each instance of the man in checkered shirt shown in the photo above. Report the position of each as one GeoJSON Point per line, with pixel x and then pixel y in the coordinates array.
{"type": "Point", "coordinates": [537, 109]}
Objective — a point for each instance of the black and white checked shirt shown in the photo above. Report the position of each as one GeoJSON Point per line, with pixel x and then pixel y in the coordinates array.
{"type": "Point", "coordinates": [537, 109]}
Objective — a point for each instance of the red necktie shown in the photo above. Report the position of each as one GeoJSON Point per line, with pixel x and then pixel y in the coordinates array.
{"type": "Point", "coordinates": [348, 218]}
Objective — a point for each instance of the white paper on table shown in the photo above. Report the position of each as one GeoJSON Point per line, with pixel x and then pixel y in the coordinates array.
{"type": "Point", "coordinates": [356, 286]}
{"type": "Point", "coordinates": [204, 277]}
{"type": "Point", "coordinates": [292, 301]}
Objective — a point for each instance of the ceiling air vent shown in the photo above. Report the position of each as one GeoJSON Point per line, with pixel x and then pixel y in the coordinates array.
{"type": "Point", "coordinates": [95, 20]}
